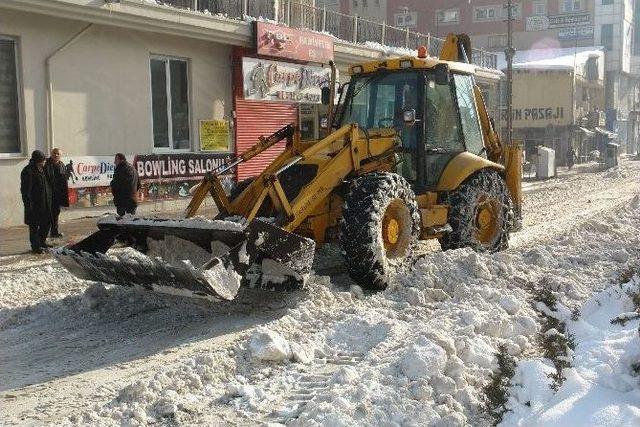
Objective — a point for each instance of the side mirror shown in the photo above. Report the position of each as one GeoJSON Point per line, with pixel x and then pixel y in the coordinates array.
{"type": "Point", "coordinates": [324, 123]}
{"type": "Point", "coordinates": [325, 96]}
{"type": "Point", "coordinates": [442, 74]}
{"type": "Point", "coordinates": [409, 117]}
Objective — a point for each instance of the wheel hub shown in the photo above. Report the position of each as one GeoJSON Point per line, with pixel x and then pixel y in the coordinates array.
{"type": "Point", "coordinates": [487, 221]}
{"type": "Point", "coordinates": [393, 231]}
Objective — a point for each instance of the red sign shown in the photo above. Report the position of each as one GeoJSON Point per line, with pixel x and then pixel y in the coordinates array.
{"type": "Point", "coordinates": [285, 42]}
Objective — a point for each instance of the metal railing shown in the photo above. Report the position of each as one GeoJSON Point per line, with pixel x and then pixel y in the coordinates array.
{"type": "Point", "coordinates": [349, 28]}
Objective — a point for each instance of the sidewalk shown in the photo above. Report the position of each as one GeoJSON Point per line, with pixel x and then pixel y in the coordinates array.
{"type": "Point", "coordinates": [15, 240]}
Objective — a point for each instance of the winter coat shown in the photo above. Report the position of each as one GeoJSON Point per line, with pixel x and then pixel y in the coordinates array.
{"type": "Point", "coordinates": [57, 175]}
{"type": "Point", "coordinates": [124, 185]}
{"type": "Point", "coordinates": [36, 195]}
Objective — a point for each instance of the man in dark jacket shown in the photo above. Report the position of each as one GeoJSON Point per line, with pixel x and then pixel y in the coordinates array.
{"type": "Point", "coordinates": [36, 196]}
{"type": "Point", "coordinates": [57, 176]}
{"type": "Point", "coordinates": [124, 186]}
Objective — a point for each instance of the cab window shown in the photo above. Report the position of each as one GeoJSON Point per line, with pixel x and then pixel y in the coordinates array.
{"type": "Point", "coordinates": [443, 127]}
{"type": "Point", "coordinates": [468, 113]}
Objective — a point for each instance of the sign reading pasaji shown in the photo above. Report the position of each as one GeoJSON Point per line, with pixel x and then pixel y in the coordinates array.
{"type": "Point", "coordinates": [281, 81]}
{"type": "Point", "coordinates": [291, 43]}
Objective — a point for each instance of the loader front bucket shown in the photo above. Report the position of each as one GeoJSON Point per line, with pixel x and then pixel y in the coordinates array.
{"type": "Point", "coordinates": [192, 257]}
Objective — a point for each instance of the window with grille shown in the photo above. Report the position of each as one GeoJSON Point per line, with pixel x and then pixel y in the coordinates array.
{"type": "Point", "coordinates": [569, 6]}
{"type": "Point", "coordinates": [170, 103]}
{"type": "Point", "coordinates": [9, 97]}
{"type": "Point", "coordinates": [606, 36]}
{"type": "Point", "coordinates": [448, 16]}
{"type": "Point", "coordinates": [539, 8]}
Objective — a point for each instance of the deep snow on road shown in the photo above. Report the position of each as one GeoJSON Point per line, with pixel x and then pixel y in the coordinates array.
{"type": "Point", "coordinates": [418, 353]}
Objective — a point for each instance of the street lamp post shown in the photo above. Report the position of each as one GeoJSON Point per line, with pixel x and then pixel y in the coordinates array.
{"type": "Point", "coordinates": [509, 53]}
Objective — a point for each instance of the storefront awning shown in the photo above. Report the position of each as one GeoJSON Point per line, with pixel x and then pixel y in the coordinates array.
{"type": "Point", "coordinates": [606, 132]}
{"type": "Point", "coordinates": [586, 131]}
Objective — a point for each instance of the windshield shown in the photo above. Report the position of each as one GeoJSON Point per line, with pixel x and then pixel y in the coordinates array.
{"type": "Point", "coordinates": [378, 100]}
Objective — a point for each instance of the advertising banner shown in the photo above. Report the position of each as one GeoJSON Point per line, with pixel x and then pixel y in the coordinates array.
{"type": "Point", "coordinates": [281, 81]}
{"type": "Point", "coordinates": [162, 176]}
{"type": "Point", "coordinates": [285, 42]}
{"type": "Point", "coordinates": [537, 23]}
{"type": "Point", "coordinates": [89, 171]}
{"type": "Point", "coordinates": [584, 32]}
{"type": "Point", "coordinates": [558, 21]}
{"type": "Point", "coordinates": [177, 166]}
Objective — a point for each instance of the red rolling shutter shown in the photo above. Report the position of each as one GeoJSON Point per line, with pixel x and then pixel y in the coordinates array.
{"type": "Point", "coordinates": [259, 118]}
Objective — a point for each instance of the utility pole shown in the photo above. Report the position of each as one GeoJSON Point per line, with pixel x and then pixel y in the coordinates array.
{"type": "Point", "coordinates": [509, 53]}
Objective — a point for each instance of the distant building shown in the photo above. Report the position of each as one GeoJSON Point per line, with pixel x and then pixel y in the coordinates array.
{"type": "Point", "coordinates": [558, 99]}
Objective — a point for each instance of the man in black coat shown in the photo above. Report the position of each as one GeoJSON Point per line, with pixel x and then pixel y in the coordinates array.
{"type": "Point", "coordinates": [57, 176]}
{"type": "Point", "coordinates": [124, 186]}
{"type": "Point", "coordinates": [36, 196]}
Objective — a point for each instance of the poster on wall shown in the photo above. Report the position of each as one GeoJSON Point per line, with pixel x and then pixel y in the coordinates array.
{"type": "Point", "coordinates": [89, 171]}
{"type": "Point", "coordinates": [215, 135]}
{"type": "Point", "coordinates": [280, 81]}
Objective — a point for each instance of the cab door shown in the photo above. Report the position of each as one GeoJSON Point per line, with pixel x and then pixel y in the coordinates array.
{"type": "Point", "coordinates": [451, 125]}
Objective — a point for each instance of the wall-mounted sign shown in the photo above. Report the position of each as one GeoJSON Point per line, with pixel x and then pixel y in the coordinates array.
{"type": "Point", "coordinates": [89, 171]}
{"type": "Point", "coordinates": [286, 42]}
{"type": "Point", "coordinates": [280, 81]}
{"type": "Point", "coordinates": [178, 166]}
{"type": "Point", "coordinates": [215, 135]}
{"type": "Point", "coordinates": [584, 32]}
{"type": "Point", "coordinates": [558, 21]}
{"type": "Point", "coordinates": [537, 23]}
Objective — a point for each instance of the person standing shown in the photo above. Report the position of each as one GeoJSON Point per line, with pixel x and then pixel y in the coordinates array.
{"type": "Point", "coordinates": [124, 186]}
{"type": "Point", "coordinates": [36, 197]}
{"type": "Point", "coordinates": [57, 175]}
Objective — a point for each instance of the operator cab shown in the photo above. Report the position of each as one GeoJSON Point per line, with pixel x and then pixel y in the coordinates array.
{"type": "Point", "coordinates": [433, 110]}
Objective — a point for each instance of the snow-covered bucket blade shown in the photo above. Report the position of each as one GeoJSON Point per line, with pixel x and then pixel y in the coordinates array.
{"type": "Point", "coordinates": [199, 258]}
{"type": "Point", "coordinates": [274, 258]}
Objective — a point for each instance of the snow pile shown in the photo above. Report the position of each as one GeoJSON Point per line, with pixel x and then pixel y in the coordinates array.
{"type": "Point", "coordinates": [419, 353]}
{"type": "Point", "coordinates": [269, 345]}
{"type": "Point", "coordinates": [603, 385]}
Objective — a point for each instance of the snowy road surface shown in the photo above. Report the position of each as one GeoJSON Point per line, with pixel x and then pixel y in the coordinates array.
{"type": "Point", "coordinates": [419, 353]}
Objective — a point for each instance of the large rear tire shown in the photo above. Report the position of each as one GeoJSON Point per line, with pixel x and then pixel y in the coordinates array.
{"type": "Point", "coordinates": [479, 215]}
{"type": "Point", "coordinates": [379, 229]}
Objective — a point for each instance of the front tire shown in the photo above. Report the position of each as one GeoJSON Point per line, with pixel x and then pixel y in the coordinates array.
{"type": "Point", "coordinates": [379, 229]}
{"type": "Point", "coordinates": [479, 214]}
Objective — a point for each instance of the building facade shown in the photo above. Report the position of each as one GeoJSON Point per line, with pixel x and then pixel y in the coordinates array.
{"type": "Point", "coordinates": [178, 91]}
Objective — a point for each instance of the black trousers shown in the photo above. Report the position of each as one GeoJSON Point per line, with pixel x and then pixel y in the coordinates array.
{"type": "Point", "coordinates": [126, 209]}
{"type": "Point", "coordinates": [55, 213]}
{"type": "Point", "coordinates": [38, 235]}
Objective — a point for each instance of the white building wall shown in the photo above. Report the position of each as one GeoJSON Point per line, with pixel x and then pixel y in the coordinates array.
{"type": "Point", "coordinates": [101, 90]}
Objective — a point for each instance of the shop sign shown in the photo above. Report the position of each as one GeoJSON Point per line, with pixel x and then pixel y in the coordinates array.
{"type": "Point", "coordinates": [558, 21]}
{"type": "Point", "coordinates": [215, 135]}
{"type": "Point", "coordinates": [280, 81]}
{"type": "Point", "coordinates": [535, 114]}
{"type": "Point", "coordinates": [291, 43]}
{"type": "Point", "coordinates": [178, 166]}
{"type": "Point", "coordinates": [584, 32]}
{"type": "Point", "coordinates": [537, 23]}
{"type": "Point", "coordinates": [89, 171]}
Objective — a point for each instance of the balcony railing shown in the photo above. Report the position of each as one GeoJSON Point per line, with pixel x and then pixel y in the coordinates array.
{"type": "Point", "coordinates": [349, 28]}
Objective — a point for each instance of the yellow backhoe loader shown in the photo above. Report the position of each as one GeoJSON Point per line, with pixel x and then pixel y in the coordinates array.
{"type": "Point", "coordinates": [410, 154]}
